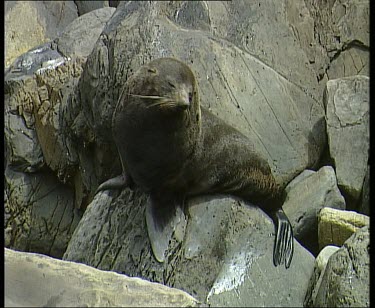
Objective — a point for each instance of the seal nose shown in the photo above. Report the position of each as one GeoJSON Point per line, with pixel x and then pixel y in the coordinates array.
{"type": "Point", "coordinates": [183, 98]}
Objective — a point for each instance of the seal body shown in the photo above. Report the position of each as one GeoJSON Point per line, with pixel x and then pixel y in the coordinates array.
{"type": "Point", "coordinates": [172, 148]}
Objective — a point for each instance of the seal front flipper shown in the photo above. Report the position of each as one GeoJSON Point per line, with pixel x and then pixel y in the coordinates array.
{"type": "Point", "coordinates": [117, 182]}
{"type": "Point", "coordinates": [163, 217]}
{"type": "Point", "coordinates": [284, 241]}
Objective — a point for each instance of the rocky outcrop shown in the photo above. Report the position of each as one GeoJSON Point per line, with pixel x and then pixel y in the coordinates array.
{"type": "Point", "coordinates": [33, 280]}
{"type": "Point", "coordinates": [41, 212]}
{"type": "Point", "coordinates": [336, 226]}
{"type": "Point", "coordinates": [345, 281]}
{"type": "Point", "coordinates": [341, 31]}
{"type": "Point", "coordinates": [261, 66]}
{"type": "Point", "coordinates": [347, 103]}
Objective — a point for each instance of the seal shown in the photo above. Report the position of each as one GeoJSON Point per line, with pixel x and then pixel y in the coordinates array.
{"type": "Point", "coordinates": [173, 149]}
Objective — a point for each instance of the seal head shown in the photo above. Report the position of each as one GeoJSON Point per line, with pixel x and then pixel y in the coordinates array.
{"type": "Point", "coordinates": [156, 123]}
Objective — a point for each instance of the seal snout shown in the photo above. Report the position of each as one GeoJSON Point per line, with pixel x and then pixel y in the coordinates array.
{"type": "Point", "coordinates": [182, 98]}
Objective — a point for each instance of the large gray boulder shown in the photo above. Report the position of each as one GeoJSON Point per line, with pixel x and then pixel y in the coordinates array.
{"type": "Point", "coordinates": [223, 258]}
{"type": "Point", "coordinates": [33, 280]}
{"type": "Point", "coordinates": [307, 194]}
{"type": "Point", "coordinates": [348, 103]}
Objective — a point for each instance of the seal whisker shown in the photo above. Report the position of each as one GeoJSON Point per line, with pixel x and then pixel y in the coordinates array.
{"type": "Point", "coordinates": [148, 96]}
{"type": "Point", "coordinates": [168, 103]}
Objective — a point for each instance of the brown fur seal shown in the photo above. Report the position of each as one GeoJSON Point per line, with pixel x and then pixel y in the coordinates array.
{"type": "Point", "coordinates": [173, 149]}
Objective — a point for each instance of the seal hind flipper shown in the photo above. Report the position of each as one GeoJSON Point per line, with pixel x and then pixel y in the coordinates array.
{"type": "Point", "coordinates": [284, 241]}
{"type": "Point", "coordinates": [162, 220]}
{"type": "Point", "coordinates": [117, 182]}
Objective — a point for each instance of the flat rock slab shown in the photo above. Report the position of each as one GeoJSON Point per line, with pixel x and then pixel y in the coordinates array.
{"type": "Point", "coordinates": [37, 280]}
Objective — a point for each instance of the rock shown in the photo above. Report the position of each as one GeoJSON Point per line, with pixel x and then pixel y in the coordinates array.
{"type": "Point", "coordinates": [336, 226]}
{"type": "Point", "coordinates": [342, 32]}
{"type": "Point", "coordinates": [80, 36]}
{"type": "Point", "coordinates": [84, 7]}
{"type": "Point", "coordinates": [319, 269]}
{"type": "Point", "coordinates": [254, 70]}
{"type": "Point", "coordinates": [323, 257]}
{"type": "Point", "coordinates": [302, 21]}
{"type": "Point", "coordinates": [346, 280]}
{"type": "Point", "coordinates": [77, 40]}
{"type": "Point", "coordinates": [36, 280]}
{"type": "Point", "coordinates": [40, 213]}
{"type": "Point", "coordinates": [246, 280]}
{"type": "Point", "coordinates": [23, 150]}
{"type": "Point", "coordinates": [347, 101]}
{"type": "Point", "coordinates": [41, 21]}
{"type": "Point", "coordinates": [225, 257]}
{"type": "Point", "coordinates": [353, 60]}
{"type": "Point", "coordinates": [39, 114]}
{"type": "Point", "coordinates": [307, 194]}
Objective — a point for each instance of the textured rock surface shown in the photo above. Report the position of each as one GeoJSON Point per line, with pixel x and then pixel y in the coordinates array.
{"type": "Point", "coordinates": [319, 269]}
{"type": "Point", "coordinates": [70, 41]}
{"type": "Point", "coordinates": [246, 279]}
{"type": "Point", "coordinates": [84, 7]}
{"type": "Point", "coordinates": [261, 66]}
{"type": "Point", "coordinates": [342, 34]}
{"type": "Point", "coordinates": [347, 103]}
{"type": "Point", "coordinates": [346, 280]}
{"type": "Point", "coordinates": [38, 113]}
{"type": "Point", "coordinates": [40, 213]}
{"type": "Point", "coordinates": [226, 254]}
{"type": "Point", "coordinates": [37, 280]}
{"type": "Point", "coordinates": [336, 226]}
{"type": "Point", "coordinates": [42, 21]}
{"type": "Point", "coordinates": [307, 194]}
